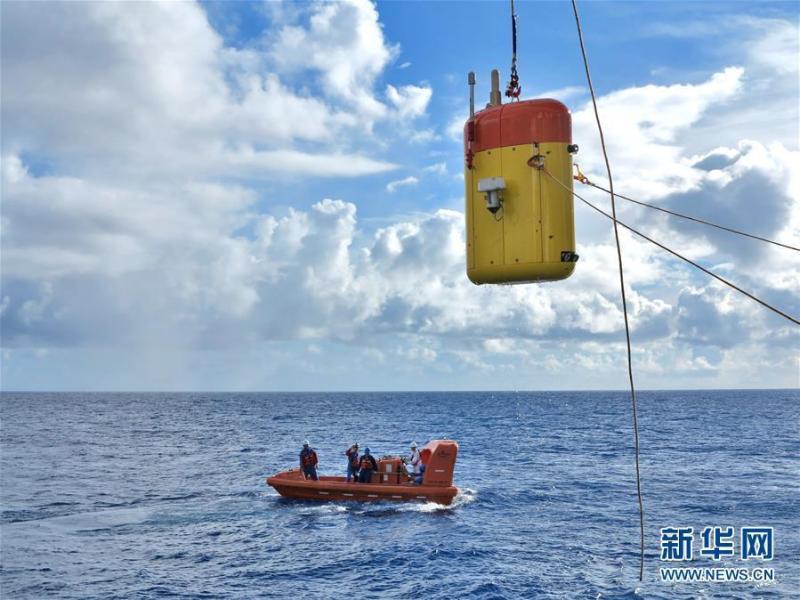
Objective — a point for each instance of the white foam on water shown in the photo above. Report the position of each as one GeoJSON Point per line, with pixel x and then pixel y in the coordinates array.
{"type": "Point", "coordinates": [464, 497]}
{"type": "Point", "coordinates": [326, 508]}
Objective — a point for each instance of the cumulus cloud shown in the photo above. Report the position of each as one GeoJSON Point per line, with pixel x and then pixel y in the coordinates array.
{"type": "Point", "coordinates": [345, 45]}
{"type": "Point", "coordinates": [644, 123]}
{"type": "Point", "coordinates": [731, 179]}
{"type": "Point", "coordinates": [114, 89]}
{"type": "Point", "coordinates": [455, 127]}
{"type": "Point", "coordinates": [301, 276]}
{"type": "Point", "coordinates": [769, 48]}
{"type": "Point", "coordinates": [148, 209]}
{"type": "Point", "coordinates": [409, 100]}
{"type": "Point", "coordinates": [315, 275]}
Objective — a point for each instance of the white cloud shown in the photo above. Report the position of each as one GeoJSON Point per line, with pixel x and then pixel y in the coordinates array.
{"type": "Point", "coordinates": [404, 65]}
{"type": "Point", "coordinates": [160, 93]}
{"type": "Point", "coordinates": [417, 354]}
{"type": "Point", "coordinates": [563, 94]}
{"type": "Point", "coordinates": [411, 277]}
{"type": "Point", "coordinates": [769, 48]}
{"type": "Point", "coordinates": [252, 163]}
{"type": "Point", "coordinates": [409, 101]}
{"type": "Point", "coordinates": [392, 186]}
{"type": "Point", "coordinates": [509, 346]}
{"type": "Point", "coordinates": [344, 43]}
{"type": "Point", "coordinates": [314, 275]}
{"type": "Point", "coordinates": [423, 136]}
{"type": "Point", "coordinates": [455, 128]}
{"type": "Point", "coordinates": [133, 234]}
{"type": "Point", "coordinates": [642, 125]}
{"type": "Point", "coordinates": [439, 168]}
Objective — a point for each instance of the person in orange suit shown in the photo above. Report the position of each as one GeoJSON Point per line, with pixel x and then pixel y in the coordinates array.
{"type": "Point", "coordinates": [367, 465]}
{"type": "Point", "coordinates": [352, 462]}
{"type": "Point", "coordinates": [308, 462]}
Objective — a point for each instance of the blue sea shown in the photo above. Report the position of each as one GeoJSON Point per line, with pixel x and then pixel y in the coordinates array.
{"type": "Point", "coordinates": [163, 495]}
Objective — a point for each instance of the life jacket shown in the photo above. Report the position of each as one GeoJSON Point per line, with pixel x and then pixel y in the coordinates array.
{"type": "Point", "coordinates": [308, 458]}
{"type": "Point", "coordinates": [368, 463]}
{"type": "Point", "coordinates": [352, 458]}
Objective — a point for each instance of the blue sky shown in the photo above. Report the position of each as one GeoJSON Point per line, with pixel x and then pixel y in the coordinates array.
{"type": "Point", "coordinates": [269, 195]}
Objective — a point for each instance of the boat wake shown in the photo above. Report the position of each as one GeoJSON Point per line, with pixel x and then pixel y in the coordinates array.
{"type": "Point", "coordinates": [464, 497]}
{"type": "Point", "coordinates": [325, 509]}
{"type": "Point", "coordinates": [386, 508]}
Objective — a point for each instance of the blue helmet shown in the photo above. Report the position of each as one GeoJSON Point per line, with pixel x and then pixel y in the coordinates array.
{"type": "Point", "coordinates": [366, 450]}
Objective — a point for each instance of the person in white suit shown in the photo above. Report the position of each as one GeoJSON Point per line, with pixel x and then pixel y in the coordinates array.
{"type": "Point", "coordinates": [414, 459]}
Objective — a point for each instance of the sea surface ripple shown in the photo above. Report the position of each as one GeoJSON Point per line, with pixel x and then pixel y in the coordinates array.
{"type": "Point", "coordinates": [163, 495]}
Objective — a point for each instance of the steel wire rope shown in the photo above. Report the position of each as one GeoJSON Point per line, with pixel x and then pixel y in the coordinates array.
{"type": "Point", "coordinates": [678, 254]}
{"type": "Point", "coordinates": [513, 89]}
{"type": "Point", "coordinates": [585, 181]}
{"type": "Point", "coordinates": [622, 292]}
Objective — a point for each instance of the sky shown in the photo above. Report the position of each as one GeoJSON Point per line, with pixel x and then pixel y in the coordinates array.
{"type": "Point", "coordinates": [269, 196]}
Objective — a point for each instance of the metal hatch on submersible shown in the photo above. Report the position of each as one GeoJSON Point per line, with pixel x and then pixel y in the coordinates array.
{"type": "Point", "coordinates": [520, 223]}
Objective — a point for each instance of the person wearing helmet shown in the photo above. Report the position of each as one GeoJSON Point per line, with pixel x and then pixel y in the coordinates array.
{"type": "Point", "coordinates": [308, 462]}
{"type": "Point", "coordinates": [414, 459]}
{"type": "Point", "coordinates": [367, 465]}
{"type": "Point", "coordinates": [352, 462]}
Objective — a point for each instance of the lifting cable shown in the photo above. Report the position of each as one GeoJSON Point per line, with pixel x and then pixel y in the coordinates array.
{"type": "Point", "coordinates": [513, 90]}
{"type": "Point", "coordinates": [677, 254]}
{"type": "Point", "coordinates": [622, 291]}
{"type": "Point", "coordinates": [583, 179]}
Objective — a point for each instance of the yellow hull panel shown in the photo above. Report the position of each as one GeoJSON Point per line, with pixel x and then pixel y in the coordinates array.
{"type": "Point", "coordinates": [525, 240]}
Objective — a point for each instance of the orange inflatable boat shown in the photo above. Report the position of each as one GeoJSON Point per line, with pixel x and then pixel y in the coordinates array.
{"type": "Point", "coordinates": [389, 482]}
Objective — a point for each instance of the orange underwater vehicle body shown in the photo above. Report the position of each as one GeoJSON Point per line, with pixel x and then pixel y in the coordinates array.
{"type": "Point", "coordinates": [389, 482]}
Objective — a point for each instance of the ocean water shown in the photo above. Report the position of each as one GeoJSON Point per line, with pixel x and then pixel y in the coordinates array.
{"type": "Point", "coordinates": [163, 495]}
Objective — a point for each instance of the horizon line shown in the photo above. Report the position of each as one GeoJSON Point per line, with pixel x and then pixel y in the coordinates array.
{"type": "Point", "coordinates": [419, 391]}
